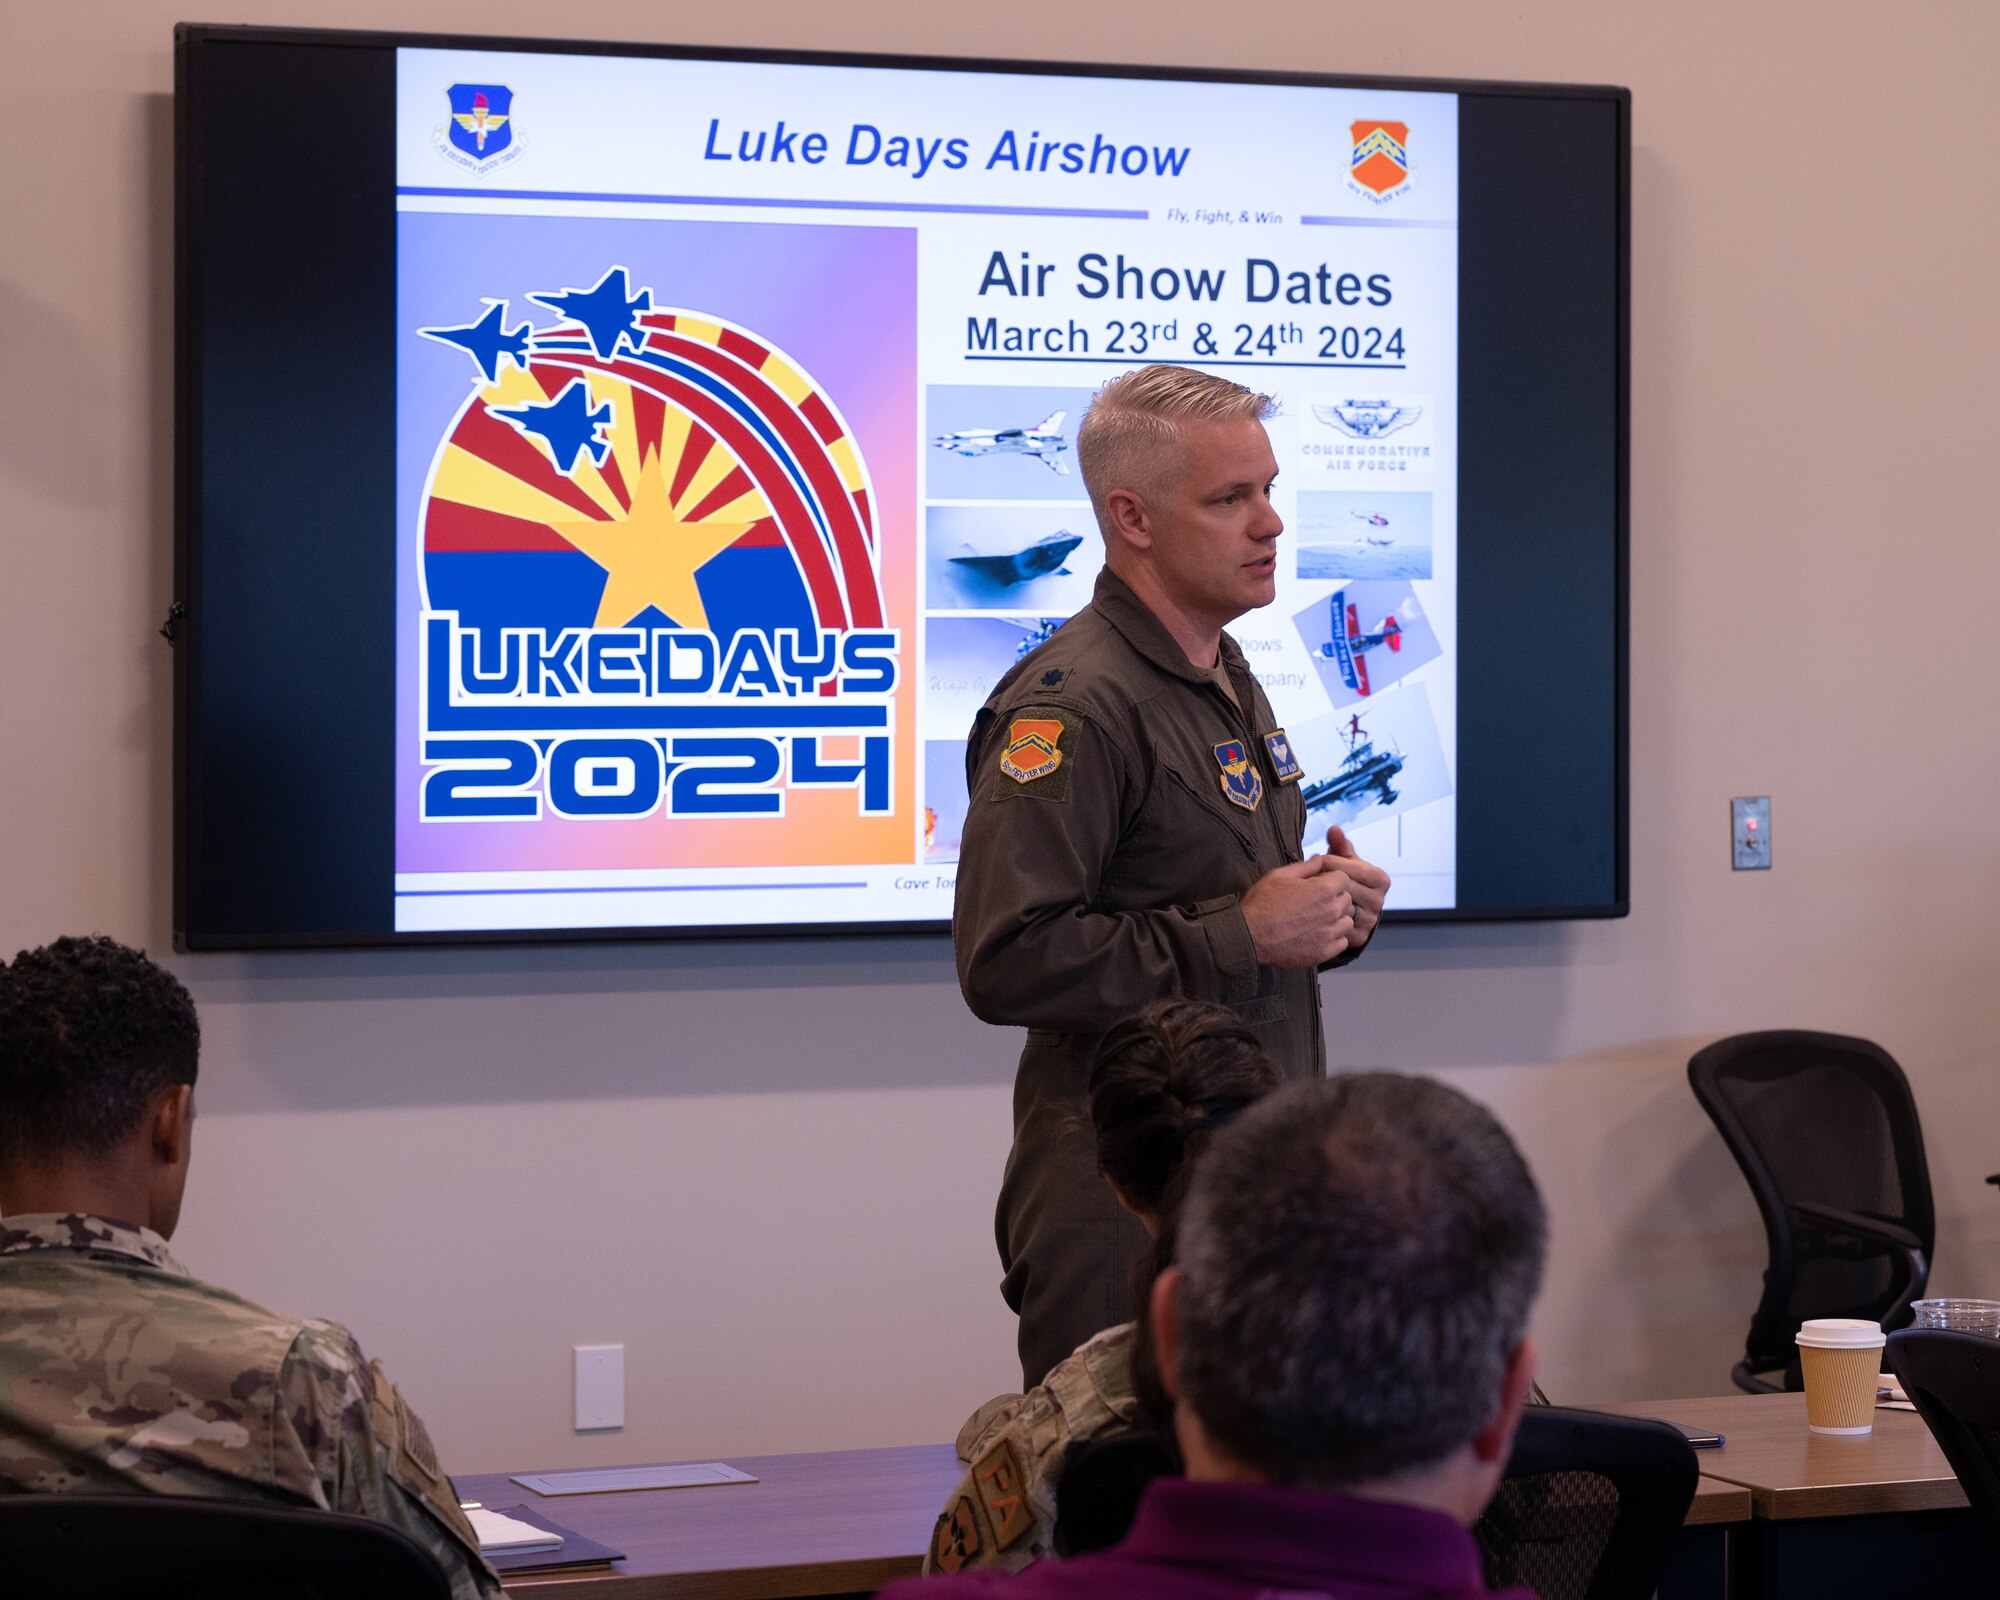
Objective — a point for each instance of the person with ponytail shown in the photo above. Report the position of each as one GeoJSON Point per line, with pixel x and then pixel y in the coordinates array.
{"type": "Point", "coordinates": [1161, 1083]}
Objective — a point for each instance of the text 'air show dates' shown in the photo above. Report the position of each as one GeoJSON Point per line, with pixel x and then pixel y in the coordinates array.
{"type": "Point", "coordinates": [1182, 338]}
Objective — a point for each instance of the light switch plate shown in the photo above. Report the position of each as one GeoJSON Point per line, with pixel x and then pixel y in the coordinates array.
{"type": "Point", "coordinates": [1750, 832]}
{"type": "Point", "coordinates": [600, 1386]}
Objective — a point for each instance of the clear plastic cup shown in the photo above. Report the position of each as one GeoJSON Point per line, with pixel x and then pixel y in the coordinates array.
{"type": "Point", "coordinates": [1961, 1316]}
{"type": "Point", "coordinates": [1841, 1358]}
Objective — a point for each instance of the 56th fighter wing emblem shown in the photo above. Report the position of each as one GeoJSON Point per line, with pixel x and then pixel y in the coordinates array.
{"type": "Point", "coordinates": [1031, 751]}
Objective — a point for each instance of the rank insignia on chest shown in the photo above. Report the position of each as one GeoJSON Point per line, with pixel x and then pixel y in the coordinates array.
{"type": "Point", "coordinates": [1031, 751]}
{"type": "Point", "coordinates": [1240, 781]}
{"type": "Point", "coordinates": [1283, 762]}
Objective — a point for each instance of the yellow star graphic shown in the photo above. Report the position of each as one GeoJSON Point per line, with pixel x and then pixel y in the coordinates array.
{"type": "Point", "coordinates": [650, 556]}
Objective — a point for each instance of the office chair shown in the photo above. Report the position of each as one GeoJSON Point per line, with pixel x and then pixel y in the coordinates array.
{"type": "Point", "coordinates": [1827, 1135]}
{"type": "Point", "coordinates": [172, 1547]}
{"type": "Point", "coordinates": [1953, 1379]}
{"type": "Point", "coordinates": [1587, 1510]}
{"type": "Point", "coordinates": [1589, 1507]}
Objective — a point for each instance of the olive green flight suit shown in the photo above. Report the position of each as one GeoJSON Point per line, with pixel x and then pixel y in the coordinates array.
{"type": "Point", "coordinates": [1120, 805]}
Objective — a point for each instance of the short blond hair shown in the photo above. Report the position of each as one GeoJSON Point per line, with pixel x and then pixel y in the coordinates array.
{"type": "Point", "coordinates": [1131, 432]}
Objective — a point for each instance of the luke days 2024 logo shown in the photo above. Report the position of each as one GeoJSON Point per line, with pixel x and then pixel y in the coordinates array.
{"type": "Point", "coordinates": [649, 575]}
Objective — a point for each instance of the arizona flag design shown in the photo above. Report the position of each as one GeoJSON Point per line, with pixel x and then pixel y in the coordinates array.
{"type": "Point", "coordinates": [639, 465]}
{"type": "Point", "coordinates": [1380, 164]}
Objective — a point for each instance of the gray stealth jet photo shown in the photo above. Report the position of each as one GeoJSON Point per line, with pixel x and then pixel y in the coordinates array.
{"type": "Point", "coordinates": [1038, 560]}
{"type": "Point", "coordinates": [1044, 441]}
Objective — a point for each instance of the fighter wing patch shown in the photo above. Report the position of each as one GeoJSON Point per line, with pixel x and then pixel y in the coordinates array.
{"type": "Point", "coordinates": [1283, 762]}
{"type": "Point", "coordinates": [1037, 756]}
{"type": "Point", "coordinates": [1033, 748]}
{"type": "Point", "coordinates": [1241, 782]}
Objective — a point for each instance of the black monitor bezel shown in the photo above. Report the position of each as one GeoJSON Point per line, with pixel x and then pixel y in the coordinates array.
{"type": "Point", "coordinates": [191, 37]}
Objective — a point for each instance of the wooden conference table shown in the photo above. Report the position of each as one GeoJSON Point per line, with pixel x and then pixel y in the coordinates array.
{"type": "Point", "coordinates": [835, 1522]}
{"type": "Point", "coordinates": [1779, 1512]}
{"type": "Point", "coordinates": [1792, 1473]}
{"type": "Point", "coordinates": [1832, 1517]}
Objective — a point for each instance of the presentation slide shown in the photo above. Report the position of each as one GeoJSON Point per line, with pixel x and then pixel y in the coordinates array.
{"type": "Point", "coordinates": [735, 425]}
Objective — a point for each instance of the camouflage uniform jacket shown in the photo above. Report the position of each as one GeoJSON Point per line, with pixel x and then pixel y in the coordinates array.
{"type": "Point", "coordinates": [1003, 1512]}
{"type": "Point", "coordinates": [121, 1374]}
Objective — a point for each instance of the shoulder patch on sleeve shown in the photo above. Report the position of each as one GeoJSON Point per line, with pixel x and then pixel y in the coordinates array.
{"type": "Point", "coordinates": [411, 1459]}
{"type": "Point", "coordinates": [1037, 754]}
{"type": "Point", "coordinates": [1002, 1488]}
{"type": "Point", "coordinates": [957, 1539]}
{"type": "Point", "coordinates": [419, 1454]}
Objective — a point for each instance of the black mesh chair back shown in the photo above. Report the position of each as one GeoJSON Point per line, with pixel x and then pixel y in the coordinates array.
{"type": "Point", "coordinates": [1953, 1379]}
{"type": "Point", "coordinates": [1589, 1507]}
{"type": "Point", "coordinates": [170, 1547]}
{"type": "Point", "coordinates": [1826, 1132]}
{"type": "Point", "coordinates": [1587, 1511]}
{"type": "Point", "coordinates": [1099, 1492]}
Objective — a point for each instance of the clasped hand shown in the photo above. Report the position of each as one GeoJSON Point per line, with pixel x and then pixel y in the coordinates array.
{"type": "Point", "coordinates": [1306, 914]}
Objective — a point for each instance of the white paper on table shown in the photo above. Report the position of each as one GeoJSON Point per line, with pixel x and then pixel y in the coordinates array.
{"type": "Point", "coordinates": [497, 1533]}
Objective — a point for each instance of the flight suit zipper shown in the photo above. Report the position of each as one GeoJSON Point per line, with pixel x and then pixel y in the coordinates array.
{"type": "Point", "coordinates": [1314, 1027]}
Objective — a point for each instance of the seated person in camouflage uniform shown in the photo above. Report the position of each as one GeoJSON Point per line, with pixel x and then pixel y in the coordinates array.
{"type": "Point", "coordinates": [1160, 1084]}
{"type": "Point", "coordinates": [1343, 1331]}
{"type": "Point", "coordinates": [120, 1373]}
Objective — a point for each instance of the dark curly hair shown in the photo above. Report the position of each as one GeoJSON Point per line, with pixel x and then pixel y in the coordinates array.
{"type": "Point", "coordinates": [1161, 1083]}
{"type": "Point", "coordinates": [90, 1032]}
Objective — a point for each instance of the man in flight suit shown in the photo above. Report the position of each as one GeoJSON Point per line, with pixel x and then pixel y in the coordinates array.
{"type": "Point", "coordinates": [1134, 828]}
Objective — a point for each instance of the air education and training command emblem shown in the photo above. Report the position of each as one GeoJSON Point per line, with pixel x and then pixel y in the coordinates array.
{"type": "Point", "coordinates": [479, 135]}
{"type": "Point", "coordinates": [1031, 751]}
{"type": "Point", "coordinates": [1241, 782]}
{"type": "Point", "coordinates": [1379, 167]}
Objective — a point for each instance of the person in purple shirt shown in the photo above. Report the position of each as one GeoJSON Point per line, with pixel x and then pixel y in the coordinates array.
{"type": "Point", "coordinates": [1344, 1341]}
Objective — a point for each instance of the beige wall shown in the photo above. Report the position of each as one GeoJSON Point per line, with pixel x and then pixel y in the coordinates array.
{"type": "Point", "coordinates": [480, 1159]}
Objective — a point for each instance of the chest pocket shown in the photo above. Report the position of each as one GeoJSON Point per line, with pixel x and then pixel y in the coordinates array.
{"type": "Point", "coordinates": [1175, 784]}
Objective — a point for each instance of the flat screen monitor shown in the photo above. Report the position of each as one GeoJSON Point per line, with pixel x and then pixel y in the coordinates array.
{"type": "Point", "coordinates": [611, 477]}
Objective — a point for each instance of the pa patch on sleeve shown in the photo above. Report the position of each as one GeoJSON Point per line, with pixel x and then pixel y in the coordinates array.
{"type": "Point", "coordinates": [1037, 755]}
{"type": "Point", "coordinates": [1002, 1488]}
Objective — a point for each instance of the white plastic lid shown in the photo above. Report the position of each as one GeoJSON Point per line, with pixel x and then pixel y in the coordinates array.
{"type": "Point", "coordinates": [1841, 1333]}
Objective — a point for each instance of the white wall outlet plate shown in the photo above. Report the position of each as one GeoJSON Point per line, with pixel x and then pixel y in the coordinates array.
{"type": "Point", "coordinates": [600, 1386]}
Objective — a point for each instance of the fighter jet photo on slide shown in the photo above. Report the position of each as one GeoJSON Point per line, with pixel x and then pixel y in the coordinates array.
{"type": "Point", "coordinates": [1016, 559]}
{"type": "Point", "coordinates": [1046, 555]}
{"type": "Point", "coordinates": [1044, 442]}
